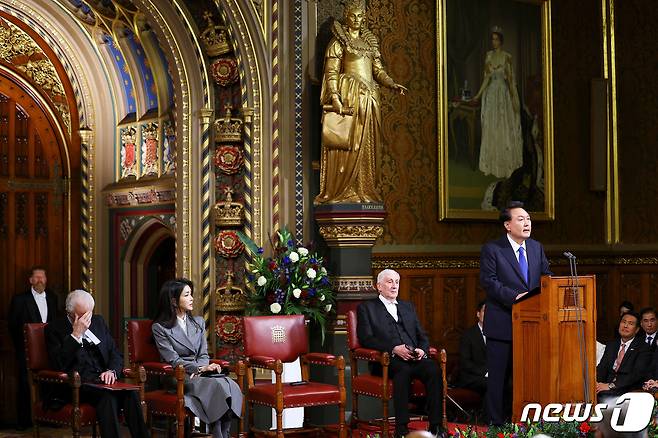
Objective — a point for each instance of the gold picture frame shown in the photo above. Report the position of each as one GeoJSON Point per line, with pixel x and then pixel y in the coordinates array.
{"type": "Point", "coordinates": [495, 136]}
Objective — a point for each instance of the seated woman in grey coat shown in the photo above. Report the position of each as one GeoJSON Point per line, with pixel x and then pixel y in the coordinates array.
{"type": "Point", "coordinates": [181, 340]}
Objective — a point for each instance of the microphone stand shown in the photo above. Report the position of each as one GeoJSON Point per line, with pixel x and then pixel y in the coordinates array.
{"type": "Point", "coordinates": [580, 324]}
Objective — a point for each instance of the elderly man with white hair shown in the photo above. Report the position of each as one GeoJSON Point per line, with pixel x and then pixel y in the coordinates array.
{"type": "Point", "coordinates": [82, 342]}
{"type": "Point", "coordinates": [389, 324]}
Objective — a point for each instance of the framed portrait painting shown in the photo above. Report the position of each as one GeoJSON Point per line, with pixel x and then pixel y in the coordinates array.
{"type": "Point", "coordinates": [495, 127]}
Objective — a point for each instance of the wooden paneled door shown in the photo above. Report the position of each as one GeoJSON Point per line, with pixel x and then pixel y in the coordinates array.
{"type": "Point", "coordinates": [35, 210]}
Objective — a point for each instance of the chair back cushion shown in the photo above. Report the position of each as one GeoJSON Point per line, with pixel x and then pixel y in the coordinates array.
{"type": "Point", "coordinates": [36, 353]}
{"type": "Point", "coordinates": [281, 337]}
{"type": "Point", "coordinates": [141, 346]}
{"type": "Point", "coordinates": [352, 337]}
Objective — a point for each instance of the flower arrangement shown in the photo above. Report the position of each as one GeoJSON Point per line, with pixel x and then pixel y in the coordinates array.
{"type": "Point", "coordinates": [572, 429]}
{"type": "Point", "coordinates": [527, 430]}
{"type": "Point", "coordinates": [561, 429]}
{"type": "Point", "coordinates": [290, 282]}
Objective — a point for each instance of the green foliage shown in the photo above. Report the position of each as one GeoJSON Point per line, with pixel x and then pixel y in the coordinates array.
{"type": "Point", "coordinates": [527, 430]}
{"type": "Point", "coordinates": [290, 282]}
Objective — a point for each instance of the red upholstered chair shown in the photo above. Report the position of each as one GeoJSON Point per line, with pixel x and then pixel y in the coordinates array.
{"type": "Point", "coordinates": [269, 341]}
{"type": "Point", "coordinates": [143, 351]}
{"type": "Point", "coordinates": [75, 414]}
{"type": "Point", "coordinates": [381, 387]}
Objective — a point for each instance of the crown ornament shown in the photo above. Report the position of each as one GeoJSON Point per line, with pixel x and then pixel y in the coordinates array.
{"type": "Point", "coordinates": [230, 298]}
{"type": "Point", "coordinates": [228, 129]}
{"type": "Point", "coordinates": [349, 5]}
{"type": "Point", "coordinates": [497, 29]}
{"type": "Point", "coordinates": [214, 37]}
{"type": "Point", "coordinates": [129, 136]}
{"type": "Point", "coordinates": [228, 213]}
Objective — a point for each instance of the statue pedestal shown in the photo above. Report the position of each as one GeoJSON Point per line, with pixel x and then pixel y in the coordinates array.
{"type": "Point", "coordinates": [350, 231]}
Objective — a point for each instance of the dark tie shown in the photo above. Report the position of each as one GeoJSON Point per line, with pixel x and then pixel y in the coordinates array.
{"type": "Point", "coordinates": [523, 264]}
{"type": "Point", "coordinates": [649, 340]}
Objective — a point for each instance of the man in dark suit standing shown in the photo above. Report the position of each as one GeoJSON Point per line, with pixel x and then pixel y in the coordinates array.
{"type": "Point", "coordinates": [625, 364]}
{"type": "Point", "coordinates": [34, 305]}
{"type": "Point", "coordinates": [473, 355]}
{"type": "Point", "coordinates": [510, 267]}
{"type": "Point", "coordinates": [82, 342]}
{"type": "Point", "coordinates": [388, 324]}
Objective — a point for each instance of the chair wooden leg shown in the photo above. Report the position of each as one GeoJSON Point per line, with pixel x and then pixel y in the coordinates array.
{"type": "Point", "coordinates": [279, 423]}
{"type": "Point", "coordinates": [385, 428]}
{"type": "Point", "coordinates": [342, 427]}
{"type": "Point", "coordinates": [354, 420]}
{"type": "Point", "coordinates": [35, 430]}
{"type": "Point", "coordinates": [251, 419]}
{"type": "Point", "coordinates": [242, 431]}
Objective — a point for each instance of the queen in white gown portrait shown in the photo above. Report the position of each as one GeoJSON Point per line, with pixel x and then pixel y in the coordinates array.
{"type": "Point", "coordinates": [501, 149]}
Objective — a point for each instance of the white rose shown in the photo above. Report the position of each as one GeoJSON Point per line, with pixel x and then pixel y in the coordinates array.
{"type": "Point", "coordinates": [261, 281]}
{"type": "Point", "coordinates": [327, 307]}
{"type": "Point", "coordinates": [296, 292]}
{"type": "Point", "coordinates": [321, 297]}
{"type": "Point", "coordinates": [275, 307]}
{"type": "Point", "coordinates": [302, 251]}
{"type": "Point", "coordinates": [324, 271]}
{"type": "Point", "coordinates": [311, 273]}
{"type": "Point", "coordinates": [294, 257]}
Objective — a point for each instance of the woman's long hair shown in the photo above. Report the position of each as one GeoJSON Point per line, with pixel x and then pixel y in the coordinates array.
{"type": "Point", "coordinates": [169, 299]}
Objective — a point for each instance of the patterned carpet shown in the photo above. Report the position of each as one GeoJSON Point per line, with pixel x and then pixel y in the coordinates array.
{"type": "Point", "coordinates": [49, 432]}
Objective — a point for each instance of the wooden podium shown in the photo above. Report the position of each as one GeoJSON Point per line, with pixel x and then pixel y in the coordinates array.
{"type": "Point", "coordinates": [547, 351]}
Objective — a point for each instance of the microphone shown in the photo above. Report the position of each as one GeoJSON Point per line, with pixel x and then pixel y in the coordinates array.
{"type": "Point", "coordinates": [568, 255]}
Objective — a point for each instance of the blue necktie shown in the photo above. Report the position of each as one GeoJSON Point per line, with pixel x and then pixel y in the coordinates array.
{"type": "Point", "coordinates": [523, 264]}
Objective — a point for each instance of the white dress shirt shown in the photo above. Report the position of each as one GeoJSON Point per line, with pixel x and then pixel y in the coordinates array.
{"type": "Point", "coordinates": [516, 246]}
{"type": "Point", "coordinates": [391, 307]}
{"type": "Point", "coordinates": [182, 323]}
{"type": "Point", "coordinates": [42, 304]}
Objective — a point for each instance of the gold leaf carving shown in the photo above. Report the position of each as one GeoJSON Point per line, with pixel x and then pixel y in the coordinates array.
{"type": "Point", "coordinates": [20, 50]}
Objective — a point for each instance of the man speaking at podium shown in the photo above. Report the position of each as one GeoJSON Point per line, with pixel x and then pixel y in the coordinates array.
{"type": "Point", "coordinates": [510, 267]}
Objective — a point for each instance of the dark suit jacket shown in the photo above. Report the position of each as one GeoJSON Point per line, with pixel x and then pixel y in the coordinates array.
{"type": "Point", "coordinates": [376, 327]}
{"type": "Point", "coordinates": [654, 365]}
{"type": "Point", "coordinates": [472, 357]}
{"type": "Point", "coordinates": [643, 335]}
{"type": "Point", "coordinates": [23, 310]}
{"type": "Point", "coordinates": [634, 368]}
{"type": "Point", "coordinates": [500, 277]}
{"type": "Point", "coordinates": [64, 351]}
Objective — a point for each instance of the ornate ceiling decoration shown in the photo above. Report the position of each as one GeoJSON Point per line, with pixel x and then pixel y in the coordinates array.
{"type": "Point", "coordinates": [18, 49]}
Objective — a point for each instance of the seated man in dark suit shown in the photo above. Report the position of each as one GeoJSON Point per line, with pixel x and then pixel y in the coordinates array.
{"type": "Point", "coordinates": [82, 342]}
{"type": "Point", "coordinates": [649, 327]}
{"type": "Point", "coordinates": [625, 363]}
{"type": "Point", "coordinates": [388, 324]}
{"type": "Point", "coordinates": [473, 356]}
